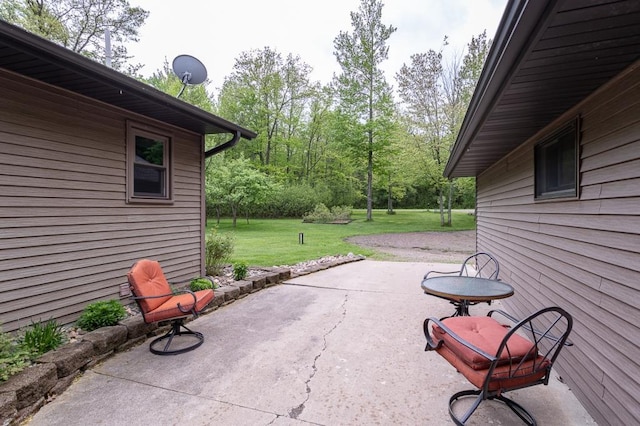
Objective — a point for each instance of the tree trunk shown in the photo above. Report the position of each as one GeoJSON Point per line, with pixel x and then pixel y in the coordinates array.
{"type": "Point", "coordinates": [370, 186]}
{"type": "Point", "coordinates": [234, 213]}
{"type": "Point", "coordinates": [441, 205]}
{"type": "Point", "coordinates": [450, 202]}
{"type": "Point", "coordinates": [389, 198]}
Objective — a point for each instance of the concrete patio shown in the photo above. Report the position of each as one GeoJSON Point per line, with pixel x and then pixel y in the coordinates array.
{"type": "Point", "coordinates": [341, 346]}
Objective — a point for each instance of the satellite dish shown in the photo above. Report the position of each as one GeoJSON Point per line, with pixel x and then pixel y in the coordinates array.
{"type": "Point", "coordinates": [189, 70]}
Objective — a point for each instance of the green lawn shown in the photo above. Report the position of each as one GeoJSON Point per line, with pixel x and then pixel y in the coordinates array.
{"type": "Point", "coordinates": [269, 242]}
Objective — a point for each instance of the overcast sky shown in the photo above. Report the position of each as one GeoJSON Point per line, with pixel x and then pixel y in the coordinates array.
{"type": "Point", "coordinates": [216, 32]}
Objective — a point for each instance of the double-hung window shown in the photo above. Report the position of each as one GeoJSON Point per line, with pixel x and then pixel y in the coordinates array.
{"type": "Point", "coordinates": [149, 156]}
{"type": "Point", "coordinates": [556, 164]}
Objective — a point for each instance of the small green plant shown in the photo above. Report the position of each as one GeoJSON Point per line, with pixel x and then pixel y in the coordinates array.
{"type": "Point", "coordinates": [40, 338]}
{"type": "Point", "coordinates": [198, 284]}
{"type": "Point", "coordinates": [101, 314]}
{"type": "Point", "coordinates": [13, 357]}
{"type": "Point", "coordinates": [218, 250]}
{"type": "Point", "coordinates": [240, 270]}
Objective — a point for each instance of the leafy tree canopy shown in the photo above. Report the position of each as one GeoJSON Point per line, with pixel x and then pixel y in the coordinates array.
{"type": "Point", "coordinates": [80, 25]}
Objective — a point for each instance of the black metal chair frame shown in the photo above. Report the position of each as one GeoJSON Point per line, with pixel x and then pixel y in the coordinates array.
{"type": "Point", "coordinates": [482, 261]}
{"type": "Point", "coordinates": [177, 326]}
{"type": "Point", "coordinates": [535, 335]}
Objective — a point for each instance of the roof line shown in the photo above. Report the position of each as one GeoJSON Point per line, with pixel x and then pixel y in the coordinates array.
{"type": "Point", "coordinates": [60, 55]}
{"type": "Point", "coordinates": [521, 20]}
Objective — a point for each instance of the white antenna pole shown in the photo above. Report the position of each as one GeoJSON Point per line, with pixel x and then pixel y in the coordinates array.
{"type": "Point", "coordinates": [107, 47]}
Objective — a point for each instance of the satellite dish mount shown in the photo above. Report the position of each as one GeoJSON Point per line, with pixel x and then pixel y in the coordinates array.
{"type": "Point", "coordinates": [189, 70]}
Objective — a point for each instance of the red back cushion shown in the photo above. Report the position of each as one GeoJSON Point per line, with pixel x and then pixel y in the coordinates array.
{"type": "Point", "coordinates": [146, 279]}
{"type": "Point", "coordinates": [486, 334]}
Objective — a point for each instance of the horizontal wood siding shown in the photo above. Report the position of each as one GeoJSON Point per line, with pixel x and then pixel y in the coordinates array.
{"type": "Point", "coordinates": [67, 235]}
{"type": "Point", "coordinates": [582, 255]}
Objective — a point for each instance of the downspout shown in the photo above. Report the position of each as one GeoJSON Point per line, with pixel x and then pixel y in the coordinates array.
{"type": "Point", "coordinates": [217, 149]}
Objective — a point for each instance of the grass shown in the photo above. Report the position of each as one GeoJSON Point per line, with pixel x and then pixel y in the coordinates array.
{"type": "Point", "coordinates": [269, 242]}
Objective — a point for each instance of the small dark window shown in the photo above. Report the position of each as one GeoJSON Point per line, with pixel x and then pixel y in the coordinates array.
{"type": "Point", "coordinates": [149, 165]}
{"type": "Point", "coordinates": [556, 164]}
{"type": "Point", "coordinates": [149, 168]}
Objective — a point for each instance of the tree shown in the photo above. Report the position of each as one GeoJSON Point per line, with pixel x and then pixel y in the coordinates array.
{"type": "Point", "coordinates": [268, 94]}
{"type": "Point", "coordinates": [436, 94]}
{"type": "Point", "coordinates": [80, 25]}
{"type": "Point", "coordinates": [235, 183]}
{"type": "Point", "coordinates": [364, 95]}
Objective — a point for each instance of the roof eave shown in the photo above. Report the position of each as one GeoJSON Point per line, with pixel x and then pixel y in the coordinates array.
{"type": "Point", "coordinates": [521, 19]}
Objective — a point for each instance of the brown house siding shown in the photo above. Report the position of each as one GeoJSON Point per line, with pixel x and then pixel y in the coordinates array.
{"type": "Point", "coordinates": [67, 235]}
{"type": "Point", "coordinates": [583, 255]}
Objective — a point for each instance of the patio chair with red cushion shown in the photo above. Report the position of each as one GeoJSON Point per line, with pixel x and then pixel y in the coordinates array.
{"type": "Point", "coordinates": [158, 302]}
{"type": "Point", "coordinates": [497, 358]}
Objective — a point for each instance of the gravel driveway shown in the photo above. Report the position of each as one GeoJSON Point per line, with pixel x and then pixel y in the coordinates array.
{"type": "Point", "coordinates": [436, 247]}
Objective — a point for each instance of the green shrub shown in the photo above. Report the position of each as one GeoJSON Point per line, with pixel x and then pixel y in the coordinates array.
{"type": "Point", "coordinates": [240, 270]}
{"type": "Point", "coordinates": [101, 314]}
{"type": "Point", "coordinates": [40, 338]}
{"type": "Point", "coordinates": [341, 212]}
{"type": "Point", "coordinates": [218, 250]}
{"type": "Point", "coordinates": [13, 357]}
{"type": "Point", "coordinates": [198, 284]}
{"type": "Point", "coordinates": [322, 214]}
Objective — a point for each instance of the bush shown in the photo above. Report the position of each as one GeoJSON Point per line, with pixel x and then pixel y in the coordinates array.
{"type": "Point", "coordinates": [198, 284]}
{"type": "Point", "coordinates": [292, 201]}
{"type": "Point", "coordinates": [40, 338]}
{"type": "Point", "coordinates": [239, 271]}
{"type": "Point", "coordinates": [321, 214]}
{"type": "Point", "coordinates": [101, 314]}
{"type": "Point", "coordinates": [218, 250]}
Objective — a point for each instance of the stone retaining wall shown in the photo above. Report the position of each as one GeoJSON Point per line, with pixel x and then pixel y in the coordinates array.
{"type": "Point", "coordinates": [26, 392]}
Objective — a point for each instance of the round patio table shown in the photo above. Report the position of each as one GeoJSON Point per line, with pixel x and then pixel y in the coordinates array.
{"type": "Point", "coordinates": [461, 290]}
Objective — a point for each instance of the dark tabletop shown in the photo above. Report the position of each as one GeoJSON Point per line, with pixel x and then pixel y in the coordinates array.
{"type": "Point", "coordinates": [466, 288]}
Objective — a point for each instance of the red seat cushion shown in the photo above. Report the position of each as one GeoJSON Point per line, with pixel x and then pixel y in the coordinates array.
{"type": "Point", "coordinates": [169, 309]}
{"type": "Point", "coordinates": [486, 334]}
{"type": "Point", "coordinates": [506, 376]}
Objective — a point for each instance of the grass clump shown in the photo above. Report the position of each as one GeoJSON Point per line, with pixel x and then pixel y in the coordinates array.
{"type": "Point", "coordinates": [218, 250]}
{"type": "Point", "coordinates": [40, 337]}
{"type": "Point", "coordinates": [101, 314]}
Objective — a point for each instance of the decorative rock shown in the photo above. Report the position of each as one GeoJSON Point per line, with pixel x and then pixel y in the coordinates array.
{"type": "Point", "coordinates": [31, 384]}
{"type": "Point", "coordinates": [106, 339]}
{"type": "Point", "coordinates": [284, 274]}
{"type": "Point", "coordinates": [136, 327]}
{"type": "Point", "coordinates": [64, 383]}
{"type": "Point", "coordinates": [230, 293]}
{"type": "Point", "coordinates": [273, 278]}
{"type": "Point", "coordinates": [69, 358]}
{"type": "Point", "coordinates": [8, 406]}
{"type": "Point", "coordinates": [218, 298]}
{"type": "Point", "coordinates": [258, 282]}
{"type": "Point", "coordinates": [245, 287]}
